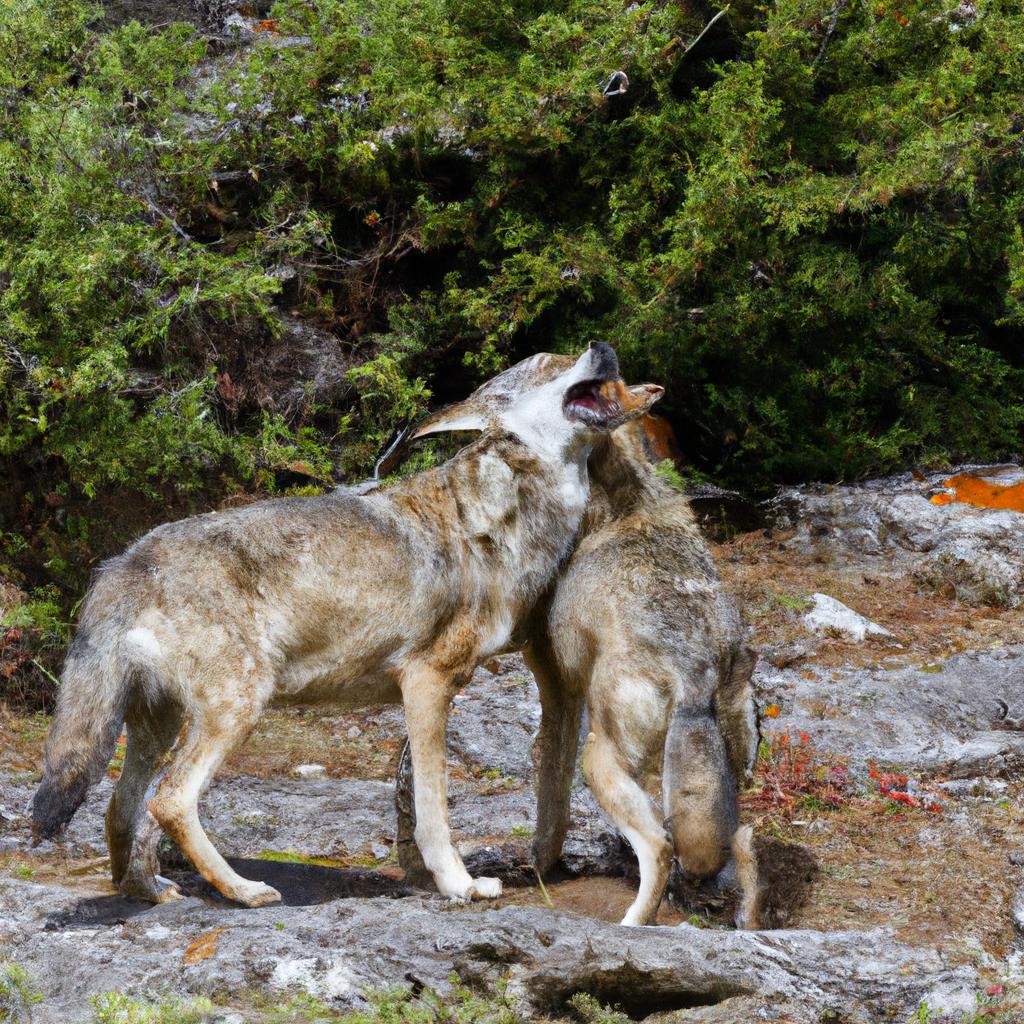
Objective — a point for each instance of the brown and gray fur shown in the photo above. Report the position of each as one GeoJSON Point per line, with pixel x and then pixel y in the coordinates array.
{"type": "Point", "coordinates": [638, 627]}
{"type": "Point", "coordinates": [392, 596]}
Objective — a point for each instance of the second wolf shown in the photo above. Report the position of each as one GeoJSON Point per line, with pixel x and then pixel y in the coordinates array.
{"type": "Point", "coordinates": [638, 627]}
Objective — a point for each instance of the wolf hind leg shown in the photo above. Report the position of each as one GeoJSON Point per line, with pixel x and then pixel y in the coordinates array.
{"type": "Point", "coordinates": [410, 860]}
{"type": "Point", "coordinates": [555, 753]}
{"type": "Point", "coordinates": [132, 832]}
{"type": "Point", "coordinates": [212, 733]}
{"type": "Point", "coordinates": [629, 807]}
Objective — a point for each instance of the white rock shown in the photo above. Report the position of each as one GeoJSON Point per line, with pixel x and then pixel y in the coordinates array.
{"type": "Point", "coordinates": [309, 771]}
{"type": "Point", "coordinates": [828, 613]}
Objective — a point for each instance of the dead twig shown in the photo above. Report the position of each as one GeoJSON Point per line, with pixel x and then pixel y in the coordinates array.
{"type": "Point", "coordinates": [833, 21]}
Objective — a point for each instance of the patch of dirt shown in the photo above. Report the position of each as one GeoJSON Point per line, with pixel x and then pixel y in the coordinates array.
{"type": "Point", "coordinates": [288, 737]}
{"type": "Point", "coordinates": [773, 585]}
{"type": "Point", "coordinates": [606, 899]}
{"type": "Point", "coordinates": [21, 740]}
{"type": "Point", "coordinates": [943, 881]}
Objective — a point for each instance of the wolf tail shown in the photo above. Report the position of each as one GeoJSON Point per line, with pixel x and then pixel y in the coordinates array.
{"type": "Point", "coordinates": [95, 686]}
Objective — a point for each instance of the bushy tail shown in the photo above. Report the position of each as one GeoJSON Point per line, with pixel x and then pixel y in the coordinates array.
{"type": "Point", "coordinates": [90, 711]}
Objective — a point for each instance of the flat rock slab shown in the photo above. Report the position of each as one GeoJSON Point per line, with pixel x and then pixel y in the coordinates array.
{"type": "Point", "coordinates": [337, 951]}
{"type": "Point", "coordinates": [938, 718]}
{"type": "Point", "coordinates": [976, 553]}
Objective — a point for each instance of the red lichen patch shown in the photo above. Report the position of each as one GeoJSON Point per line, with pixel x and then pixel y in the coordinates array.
{"type": "Point", "coordinates": [791, 774]}
{"type": "Point", "coordinates": [974, 490]}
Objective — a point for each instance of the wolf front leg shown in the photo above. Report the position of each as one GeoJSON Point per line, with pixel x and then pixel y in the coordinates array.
{"type": "Point", "coordinates": [426, 694]}
{"type": "Point", "coordinates": [555, 754]}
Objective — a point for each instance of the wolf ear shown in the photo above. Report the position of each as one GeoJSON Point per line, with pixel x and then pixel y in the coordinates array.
{"type": "Point", "coordinates": [466, 415]}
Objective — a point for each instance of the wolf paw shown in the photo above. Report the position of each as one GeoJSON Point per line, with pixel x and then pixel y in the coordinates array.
{"type": "Point", "coordinates": [485, 888]}
{"type": "Point", "coordinates": [254, 894]}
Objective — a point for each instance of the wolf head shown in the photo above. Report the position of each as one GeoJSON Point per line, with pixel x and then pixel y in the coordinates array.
{"type": "Point", "coordinates": [552, 401]}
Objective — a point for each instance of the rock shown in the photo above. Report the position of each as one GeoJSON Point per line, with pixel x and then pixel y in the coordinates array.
{"type": "Point", "coordinates": [975, 553]}
{"type": "Point", "coordinates": [338, 950]}
{"type": "Point", "coordinates": [828, 613]}
{"type": "Point", "coordinates": [722, 513]}
{"type": "Point", "coordinates": [309, 771]}
{"type": "Point", "coordinates": [493, 728]}
{"type": "Point", "coordinates": [937, 719]}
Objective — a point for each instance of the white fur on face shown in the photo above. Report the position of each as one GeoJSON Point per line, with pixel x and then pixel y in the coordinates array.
{"type": "Point", "coordinates": [538, 418]}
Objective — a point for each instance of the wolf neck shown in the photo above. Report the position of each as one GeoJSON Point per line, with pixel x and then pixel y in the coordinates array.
{"type": "Point", "coordinates": [501, 496]}
{"type": "Point", "coordinates": [621, 468]}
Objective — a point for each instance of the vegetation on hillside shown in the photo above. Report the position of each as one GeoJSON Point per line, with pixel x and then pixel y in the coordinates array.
{"type": "Point", "coordinates": [806, 222]}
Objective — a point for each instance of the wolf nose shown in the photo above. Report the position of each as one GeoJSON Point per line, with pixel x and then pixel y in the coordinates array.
{"type": "Point", "coordinates": [604, 361]}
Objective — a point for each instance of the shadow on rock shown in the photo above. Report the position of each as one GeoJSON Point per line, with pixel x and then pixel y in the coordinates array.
{"type": "Point", "coordinates": [300, 885]}
{"type": "Point", "coordinates": [96, 912]}
{"type": "Point", "coordinates": [787, 872]}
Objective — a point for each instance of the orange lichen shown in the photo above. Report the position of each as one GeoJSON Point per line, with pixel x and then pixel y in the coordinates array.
{"type": "Point", "coordinates": [973, 490]}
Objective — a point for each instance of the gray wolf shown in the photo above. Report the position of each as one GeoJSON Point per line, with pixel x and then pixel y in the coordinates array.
{"type": "Point", "coordinates": [392, 596]}
{"type": "Point", "coordinates": [638, 627]}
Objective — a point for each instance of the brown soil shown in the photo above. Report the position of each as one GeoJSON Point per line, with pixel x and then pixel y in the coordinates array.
{"type": "Point", "coordinates": [943, 881]}
{"type": "Point", "coordinates": [773, 585]}
{"type": "Point", "coordinates": [606, 899]}
{"type": "Point", "coordinates": [288, 737]}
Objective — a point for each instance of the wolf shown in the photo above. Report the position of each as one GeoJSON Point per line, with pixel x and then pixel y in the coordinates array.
{"type": "Point", "coordinates": [392, 596]}
{"type": "Point", "coordinates": [639, 629]}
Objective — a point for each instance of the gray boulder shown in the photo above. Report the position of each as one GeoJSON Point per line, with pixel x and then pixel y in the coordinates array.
{"type": "Point", "coordinates": [975, 553]}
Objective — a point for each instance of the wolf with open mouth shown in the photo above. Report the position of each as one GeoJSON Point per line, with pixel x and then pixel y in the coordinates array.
{"type": "Point", "coordinates": [342, 599]}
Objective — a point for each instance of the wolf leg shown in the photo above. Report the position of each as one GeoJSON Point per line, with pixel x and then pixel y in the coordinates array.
{"type": "Point", "coordinates": [425, 693]}
{"type": "Point", "coordinates": [132, 832]}
{"type": "Point", "coordinates": [629, 807]}
{"type": "Point", "coordinates": [212, 733]}
{"type": "Point", "coordinates": [555, 751]}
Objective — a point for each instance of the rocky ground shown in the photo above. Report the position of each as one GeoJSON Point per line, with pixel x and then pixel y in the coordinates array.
{"type": "Point", "coordinates": [887, 805]}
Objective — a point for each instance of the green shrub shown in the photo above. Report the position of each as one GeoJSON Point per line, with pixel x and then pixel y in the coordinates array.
{"type": "Point", "coordinates": [808, 227]}
{"type": "Point", "coordinates": [17, 993]}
